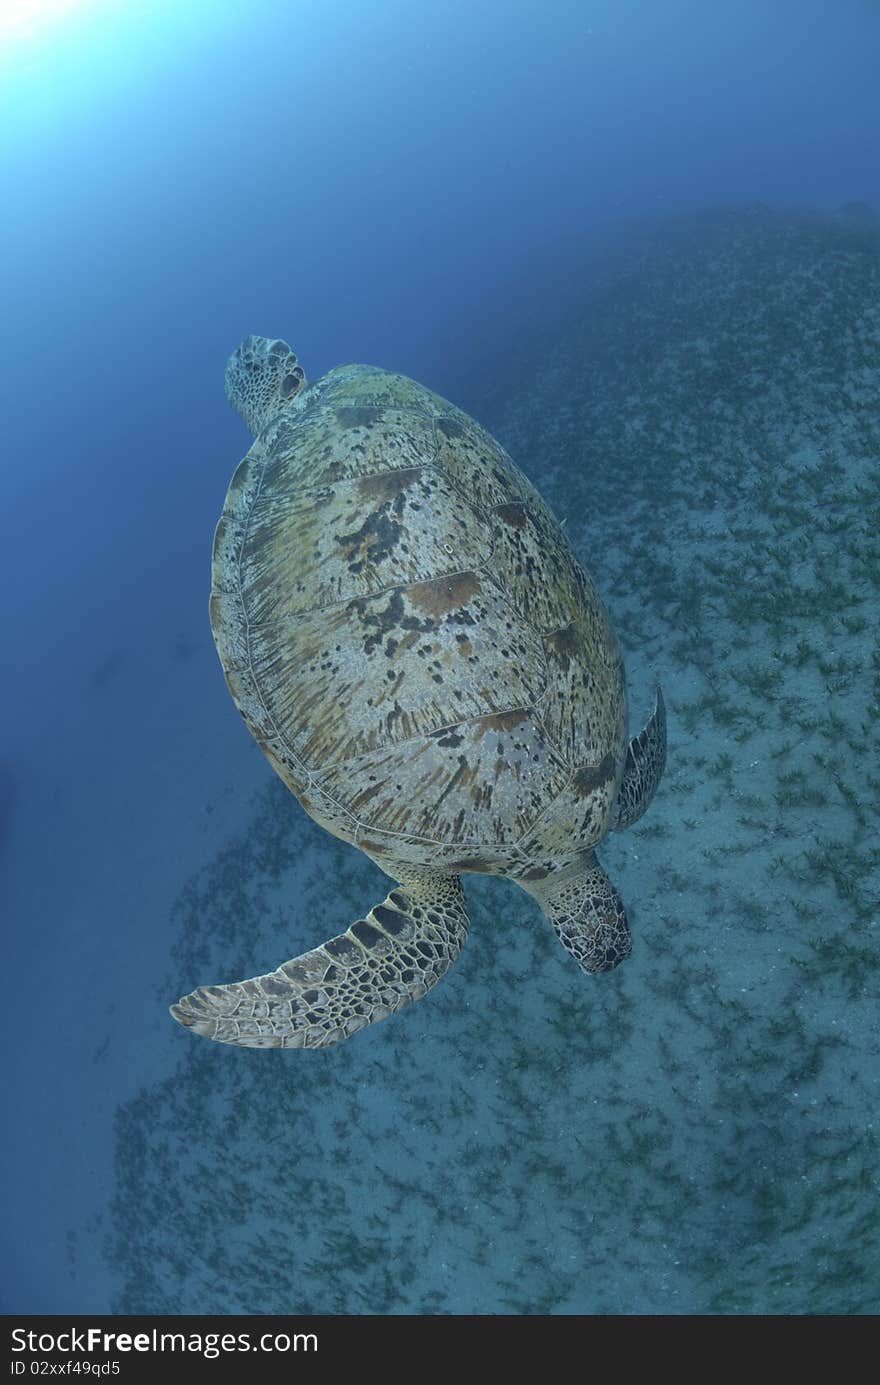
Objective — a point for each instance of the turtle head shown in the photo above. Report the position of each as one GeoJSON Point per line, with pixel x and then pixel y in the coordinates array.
{"type": "Point", "coordinates": [262, 377]}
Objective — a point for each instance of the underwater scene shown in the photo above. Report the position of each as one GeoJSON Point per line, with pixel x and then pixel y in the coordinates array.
{"type": "Point", "coordinates": [575, 370]}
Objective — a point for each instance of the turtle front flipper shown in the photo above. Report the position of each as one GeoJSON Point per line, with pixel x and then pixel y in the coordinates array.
{"type": "Point", "coordinates": [394, 956]}
{"type": "Point", "coordinates": [645, 762]}
{"type": "Point", "coordinates": [587, 913]}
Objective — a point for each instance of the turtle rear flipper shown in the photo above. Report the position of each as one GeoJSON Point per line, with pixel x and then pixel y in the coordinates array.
{"type": "Point", "coordinates": [645, 762]}
{"type": "Point", "coordinates": [381, 963]}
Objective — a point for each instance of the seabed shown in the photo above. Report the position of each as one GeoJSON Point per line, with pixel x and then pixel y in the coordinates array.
{"type": "Point", "coordinates": [696, 1132]}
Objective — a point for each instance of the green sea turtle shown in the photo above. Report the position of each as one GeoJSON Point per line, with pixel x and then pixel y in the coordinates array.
{"type": "Point", "coordinates": [409, 637]}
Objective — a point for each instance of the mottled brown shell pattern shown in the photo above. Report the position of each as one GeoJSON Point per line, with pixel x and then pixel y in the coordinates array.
{"type": "Point", "coordinates": [409, 637]}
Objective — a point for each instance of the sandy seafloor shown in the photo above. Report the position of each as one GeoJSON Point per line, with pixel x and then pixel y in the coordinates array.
{"type": "Point", "coordinates": [696, 1132]}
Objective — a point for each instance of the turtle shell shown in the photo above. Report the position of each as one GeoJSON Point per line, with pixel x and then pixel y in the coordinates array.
{"type": "Point", "coordinates": [409, 636]}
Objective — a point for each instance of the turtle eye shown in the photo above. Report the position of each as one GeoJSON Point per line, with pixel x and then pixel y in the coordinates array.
{"type": "Point", "coordinates": [291, 383]}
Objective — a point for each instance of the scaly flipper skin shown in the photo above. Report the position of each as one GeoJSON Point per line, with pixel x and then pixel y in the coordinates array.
{"type": "Point", "coordinates": [587, 913]}
{"type": "Point", "coordinates": [645, 762]}
{"type": "Point", "coordinates": [382, 963]}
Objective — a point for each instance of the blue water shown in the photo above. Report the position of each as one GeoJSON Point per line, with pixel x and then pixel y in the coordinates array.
{"type": "Point", "coordinates": [430, 188]}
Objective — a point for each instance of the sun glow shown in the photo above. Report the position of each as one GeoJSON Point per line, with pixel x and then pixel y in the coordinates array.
{"type": "Point", "coordinates": [22, 21]}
